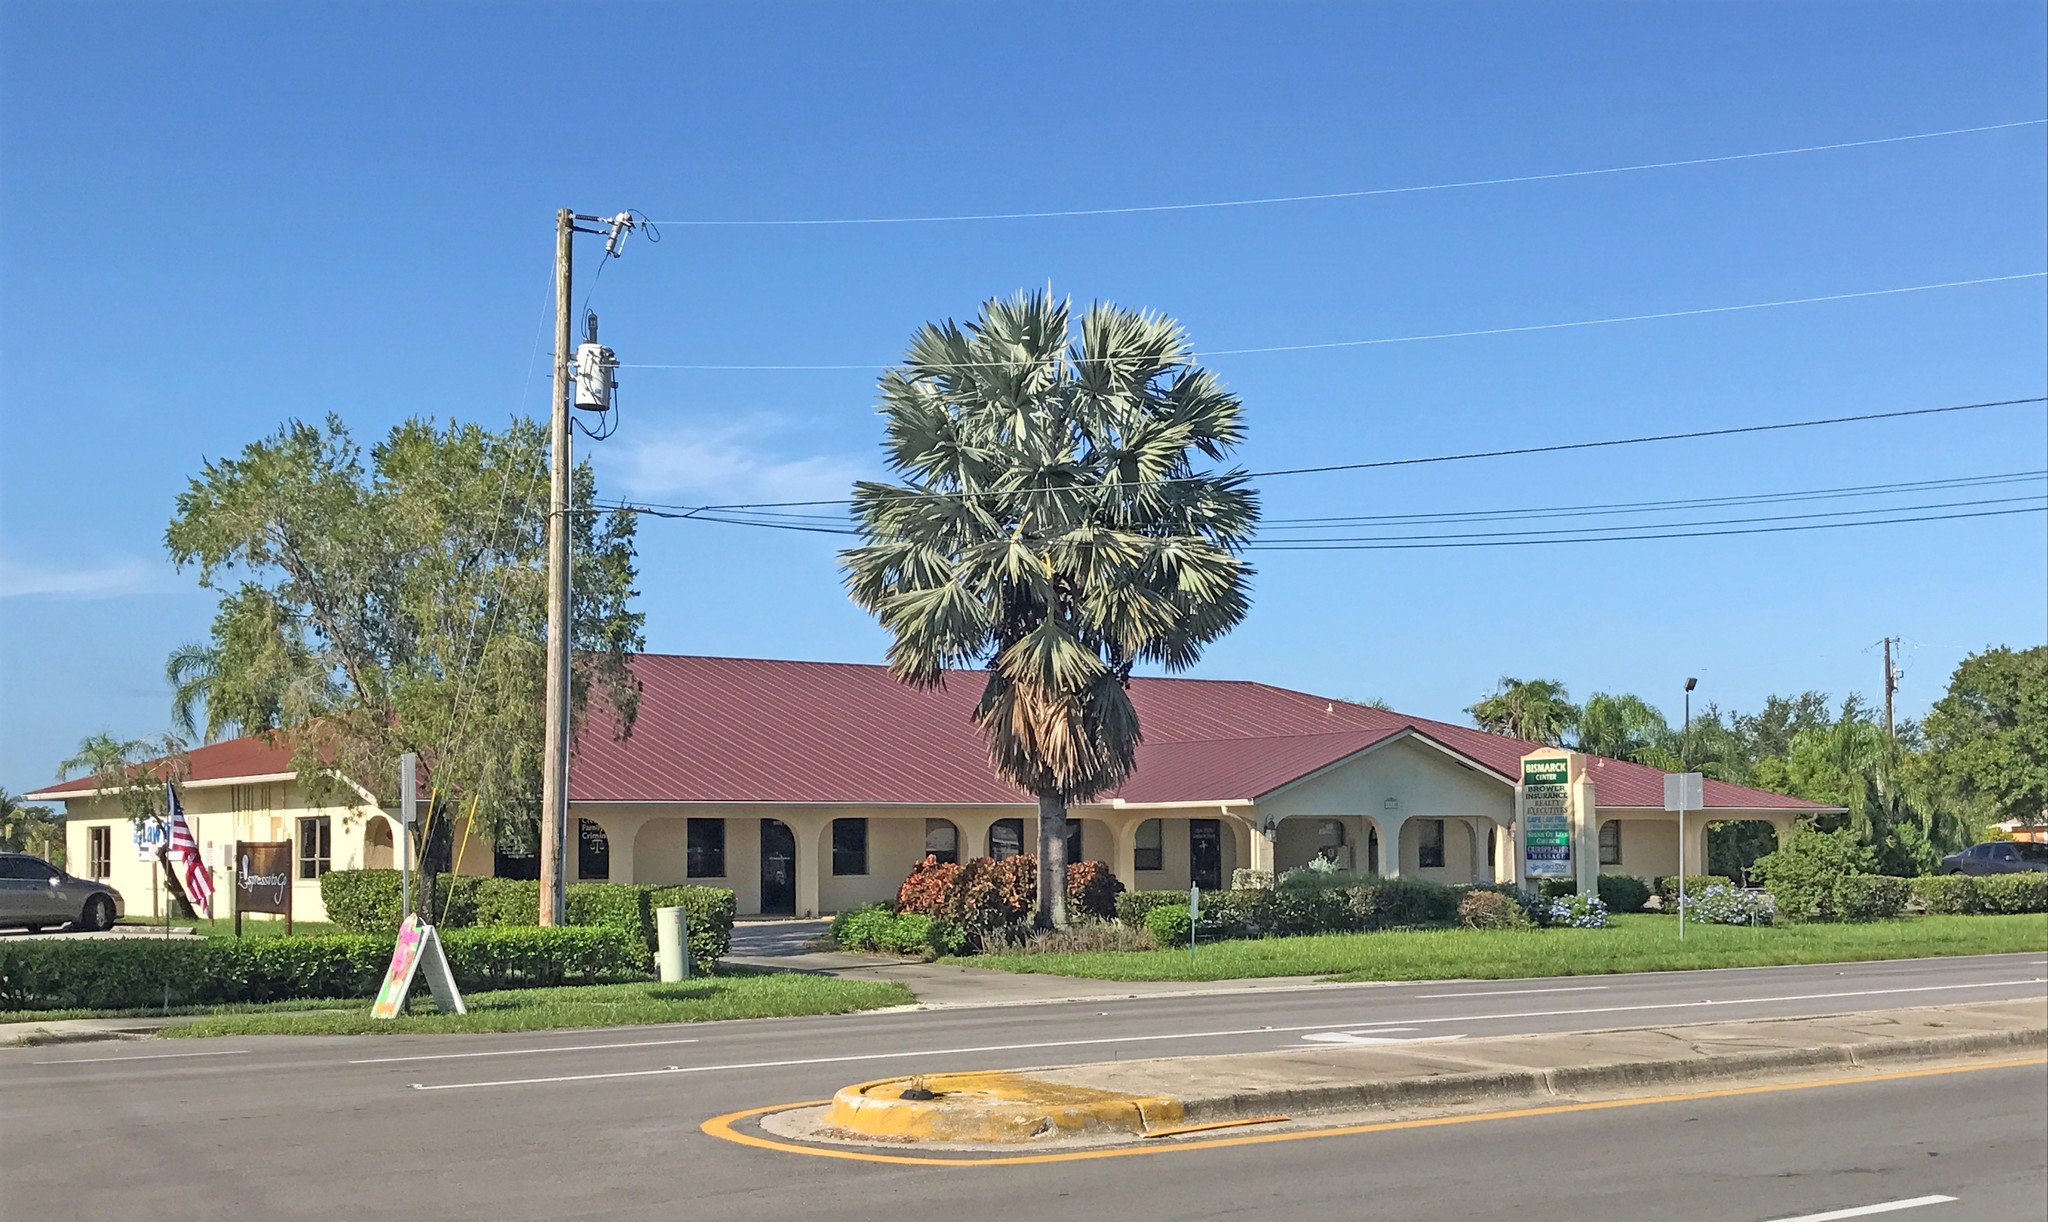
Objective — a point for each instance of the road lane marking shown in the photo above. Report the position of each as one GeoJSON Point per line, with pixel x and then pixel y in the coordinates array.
{"type": "Point", "coordinates": [1197, 1035]}
{"type": "Point", "coordinates": [149, 1056]}
{"type": "Point", "coordinates": [1864, 1211]}
{"type": "Point", "coordinates": [1584, 988]}
{"type": "Point", "coordinates": [1374, 1038]}
{"type": "Point", "coordinates": [514, 1052]}
{"type": "Point", "coordinates": [722, 1128]}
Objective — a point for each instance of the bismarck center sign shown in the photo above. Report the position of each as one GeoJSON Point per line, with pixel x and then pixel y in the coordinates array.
{"type": "Point", "coordinates": [1546, 818]}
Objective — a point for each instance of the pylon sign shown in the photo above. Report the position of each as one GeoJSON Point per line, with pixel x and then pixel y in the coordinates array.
{"type": "Point", "coordinates": [1546, 818]}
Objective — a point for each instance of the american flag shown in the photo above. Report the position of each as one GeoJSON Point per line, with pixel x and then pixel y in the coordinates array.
{"type": "Point", "coordinates": [184, 855]}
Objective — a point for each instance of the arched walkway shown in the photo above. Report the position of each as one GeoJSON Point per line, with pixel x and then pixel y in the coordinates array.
{"type": "Point", "coordinates": [378, 851]}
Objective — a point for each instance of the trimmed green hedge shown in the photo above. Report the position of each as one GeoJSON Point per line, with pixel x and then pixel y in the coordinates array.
{"type": "Point", "coordinates": [1965, 895]}
{"type": "Point", "coordinates": [1871, 897]}
{"type": "Point", "coordinates": [144, 973]}
{"type": "Point", "coordinates": [1132, 906]}
{"type": "Point", "coordinates": [367, 901]}
{"type": "Point", "coordinates": [1667, 887]}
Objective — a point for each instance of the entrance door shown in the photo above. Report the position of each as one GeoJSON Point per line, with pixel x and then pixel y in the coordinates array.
{"type": "Point", "coordinates": [778, 868]}
{"type": "Point", "coordinates": [1205, 853]}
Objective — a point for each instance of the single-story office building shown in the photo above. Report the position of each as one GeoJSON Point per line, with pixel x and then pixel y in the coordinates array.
{"type": "Point", "coordinates": [808, 787]}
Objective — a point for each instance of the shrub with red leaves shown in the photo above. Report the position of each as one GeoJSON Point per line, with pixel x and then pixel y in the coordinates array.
{"type": "Point", "coordinates": [931, 890]}
{"type": "Point", "coordinates": [1092, 890]}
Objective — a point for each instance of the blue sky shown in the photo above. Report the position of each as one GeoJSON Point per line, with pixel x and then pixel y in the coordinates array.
{"type": "Point", "coordinates": [221, 216]}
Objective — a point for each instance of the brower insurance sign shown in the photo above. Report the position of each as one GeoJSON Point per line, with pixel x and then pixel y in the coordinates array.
{"type": "Point", "coordinates": [1546, 818]}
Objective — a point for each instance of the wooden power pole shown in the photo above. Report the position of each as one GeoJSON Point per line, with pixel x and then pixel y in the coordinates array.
{"type": "Point", "coordinates": [1891, 685]}
{"type": "Point", "coordinates": [554, 786]}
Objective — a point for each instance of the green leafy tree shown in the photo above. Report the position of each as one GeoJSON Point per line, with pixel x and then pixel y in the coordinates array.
{"type": "Point", "coordinates": [400, 605]}
{"type": "Point", "coordinates": [1987, 737]}
{"type": "Point", "coordinates": [1052, 525]}
{"type": "Point", "coordinates": [30, 829]}
{"type": "Point", "coordinates": [1537, 710]}
{"type": "Point", "coordinates": [133, 772]}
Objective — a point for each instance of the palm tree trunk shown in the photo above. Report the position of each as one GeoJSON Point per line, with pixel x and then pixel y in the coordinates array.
{"type": "Point", "coordinates": [1052, 861]}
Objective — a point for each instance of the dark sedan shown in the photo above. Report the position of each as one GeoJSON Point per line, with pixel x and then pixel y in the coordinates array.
{"type": "Point", "coordinates": [1998, 857]}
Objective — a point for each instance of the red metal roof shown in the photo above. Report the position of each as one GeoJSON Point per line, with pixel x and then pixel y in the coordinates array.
{"type": "Point", "coordinates": [759, 730]}
{"type": "Point", "coordinates": [237, 757]}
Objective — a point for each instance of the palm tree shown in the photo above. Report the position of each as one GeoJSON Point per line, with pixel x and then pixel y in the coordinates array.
{"type": "Point", "coordinates": [1627, 727]}
{"type": "Point", "coordinates": [1051, 526]}
{"type": "Point", "coordinates": [1538, 710]}
{"type": "Point", "coordinates": [30, 829]}
{"type": "Point", "coordinates": [134, 772]}
{"type": "Point", "coordinates": [192, 670]}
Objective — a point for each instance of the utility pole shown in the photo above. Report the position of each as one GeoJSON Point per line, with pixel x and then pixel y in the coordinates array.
{"type": "Point", "coordinates": [1891, 684]}
{"type": "Point", "coordinates": [554, 785]}
{"type": "Point", "coordinates": [591, 368]}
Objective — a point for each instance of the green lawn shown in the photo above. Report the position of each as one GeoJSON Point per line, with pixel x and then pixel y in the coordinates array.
{"type": "Point", "coordinates": [701, 999]}
{"type": "Point", "coordinates": [1638, 943]}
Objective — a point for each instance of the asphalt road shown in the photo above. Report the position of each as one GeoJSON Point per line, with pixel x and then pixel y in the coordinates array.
{"type": "Point", "coordinates": [573, 1124]}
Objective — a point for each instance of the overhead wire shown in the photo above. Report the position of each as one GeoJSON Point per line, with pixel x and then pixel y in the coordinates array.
{"type": "Point", "coordinates": [1364, 193]}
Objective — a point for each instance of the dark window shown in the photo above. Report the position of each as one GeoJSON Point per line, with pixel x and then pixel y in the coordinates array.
{"type": "Point", "coordinates": [1005, 838]}
{"type": "Point", "coordinates": [23, 868]}
{"type": "Point", "coordinates": [593, 852]}
{"type": "Point", "coordinates": [1151, 846]}
{"type": "Point", "coordinates": [1610, 843]}
{"type": "Point", "coordinates": [942, 840]}
{"type": "Point", "coordinates": [2032, 852]}
{"type": "Point", "coordinates": [1074, 851]}
{"type": "Point", "coordinates": [849, 846]}
{"type": "Point", "coordinates": [2005, 852]}
{"type": "Point", "coordinates": [1982, 852]}
{"type": "Point", "coordinates": [1431, 851]}
{"type": "Point", "coordinates": [99, 851]}
{"type": "Point", "coordinates": [316, 847]}
{"type": "Point", "coordinates": [704, 847]}
{"type": "Point", "coordinates": [1492, 846]}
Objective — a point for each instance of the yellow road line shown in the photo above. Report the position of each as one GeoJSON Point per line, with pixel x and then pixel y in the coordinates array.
{"type": "Point", "coordinates": [722, 1126]}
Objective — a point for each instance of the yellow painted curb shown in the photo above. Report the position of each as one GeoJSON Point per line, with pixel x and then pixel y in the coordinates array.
{"type": "Point", "coordinates": [993, 1107]}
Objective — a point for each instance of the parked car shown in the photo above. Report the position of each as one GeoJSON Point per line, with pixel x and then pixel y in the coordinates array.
{"type": "Point", "coordinates": [34, 893]}
{"type": "Point", "coordinates": [1998, 857]}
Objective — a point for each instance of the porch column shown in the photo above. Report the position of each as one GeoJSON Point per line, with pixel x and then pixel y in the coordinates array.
{"type": "Point", "coordinates": [808, 831]}
{"type": "Point", "coordinates": [1390, 844]}
{"type": "Point", "coordinates": [974, 835]}
{"type": "Point", "coordinates": [1261, 856]}
{"type": "Point", "coordinates": [1507, 867]}
{"type": "Point", "coordinates": [1696, 841]}
{"type": "Point", "coordinates": [1784, 825]}
{"type": "Point", "coordinates": [1123, 855]}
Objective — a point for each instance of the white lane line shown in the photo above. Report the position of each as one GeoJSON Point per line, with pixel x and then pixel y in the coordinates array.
{"type": "Point", "coordinates": [1584, 988]}
{"type": "Point", "coordinates": [1864, 1211]}
{"type": "Point", "coordinates": [1198, 1035]}
{"type": "Point", "coordinates": [514, 1052]}
{"type": "Point", "coordinates": [148, 1056]}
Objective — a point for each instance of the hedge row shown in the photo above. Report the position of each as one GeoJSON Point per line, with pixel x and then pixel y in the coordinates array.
{"type": "Point", "coordinates": [876, 928]}
{"type": "Point", "coordinates": [1962, 894]}
{"type": "Point", "coordinates": [1619, 892]}
{"type": "Point", "coordinates": [144, 973]}
{"type": "Point", "coordinates": [368, 901]}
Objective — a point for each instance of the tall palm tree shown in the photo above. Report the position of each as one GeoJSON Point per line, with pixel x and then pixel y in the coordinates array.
{"type": "Point", "coordinates": [192, 670]}
{"type": "Point", "coordinates": [1538, 710]}
{"type": "Point", "coordinates": [1627, 727]}
{"type": "Point", "coordinates": [1051, 525]}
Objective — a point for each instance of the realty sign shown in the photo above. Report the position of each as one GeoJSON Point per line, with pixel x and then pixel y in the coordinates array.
{"type": "Point", "coordinates": [1546, 818]}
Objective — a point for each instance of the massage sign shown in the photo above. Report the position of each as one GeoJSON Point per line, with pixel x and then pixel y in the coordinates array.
{"type": "Point", "coordinates": [1546, 818]}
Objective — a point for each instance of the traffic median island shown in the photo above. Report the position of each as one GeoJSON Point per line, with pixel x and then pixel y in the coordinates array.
{"type": "Point", "coordinates": [1125, 1102]}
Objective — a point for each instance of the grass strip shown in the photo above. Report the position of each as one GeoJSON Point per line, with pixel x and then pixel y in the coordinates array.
{"type": "Point", "coordinates": [1633, 943]}
{"type": "Point", "coordinates": [701, 999]}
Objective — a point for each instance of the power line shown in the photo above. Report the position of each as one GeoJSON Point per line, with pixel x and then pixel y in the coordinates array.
{"type": "Point", "coordinates": [1671, 534]}
{"type": "Point", "coordinates": [1322, 196]}
{"type": "Point", "coordinates": [1596, 531]}
{"type": "Point", "coordinates": [1391, 339]}
{"type": "Point", "coordinates": [1381, 464]}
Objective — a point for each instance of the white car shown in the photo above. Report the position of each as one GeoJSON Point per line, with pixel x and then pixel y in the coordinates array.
{"type": "Point", "coordinates": [34, 893]}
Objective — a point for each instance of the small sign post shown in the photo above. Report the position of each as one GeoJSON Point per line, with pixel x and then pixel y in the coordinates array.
{"type": "Point", "coordinates": [263, 880]}
{"type": "Point", "coordinates": [418, 944]}
{"type": "Point", "coordinates": [1194, 916]}
{"type": "Point", "coordinates": [1683, 791]}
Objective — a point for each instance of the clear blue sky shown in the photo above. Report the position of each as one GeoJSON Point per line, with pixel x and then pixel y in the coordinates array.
{"type": "Point", "coordinates": [221, 216]}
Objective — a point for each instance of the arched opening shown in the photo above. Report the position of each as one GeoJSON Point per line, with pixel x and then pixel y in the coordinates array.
{"type": "Point", "coordinates": [778, 868]}
{"type": "Point", "coordinates": [942, 840]}
{"type": "Point", "coordinates": [1733, 845]}
{"type": "Point", "coordinates": [1005, 838]}
{"type": "Point", "coordinates": [378, 852]}
{"type": "Point", "coordinates": [1331, 844]}
{"type": "Point", "coordinates": [593, 852]}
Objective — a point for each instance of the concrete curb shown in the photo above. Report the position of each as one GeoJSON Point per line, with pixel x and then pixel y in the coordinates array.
{"type": "Point", "coordinates": [41, 1037]}
{"type": "Point", "coordinates": [992, 1107]}
{"type": "Point", "coordinates": [1469, 1087]}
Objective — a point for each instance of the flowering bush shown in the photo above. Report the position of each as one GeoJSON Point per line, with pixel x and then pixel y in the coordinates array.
{"type": "Point", "coordinates": [1576, 912]}
{"type": "Point", "coordinates": [1726, 904]}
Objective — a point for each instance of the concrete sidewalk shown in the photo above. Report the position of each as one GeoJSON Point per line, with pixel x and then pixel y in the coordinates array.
{"type": "Point", "coordinates": [1139, 1098]}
